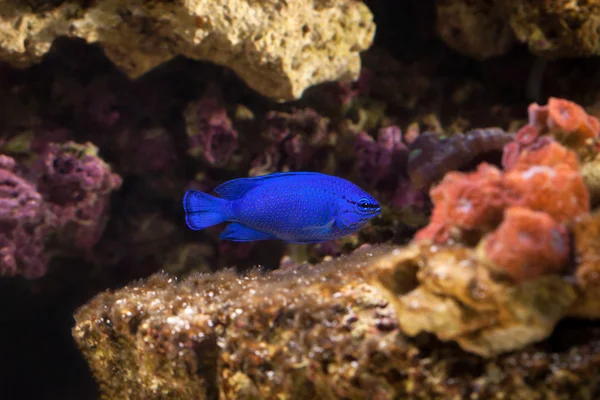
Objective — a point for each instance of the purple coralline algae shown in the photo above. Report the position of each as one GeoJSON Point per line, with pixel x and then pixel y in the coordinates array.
{"type": "Point", "coordinates": [155, 151]}
{"type": "Point", "coordinates": [23, 225]}
{"type": "Point", "coordinates": [210, 132]}
{"type": "Point", "coordinates": [62, 199]}
{"type": "Point", "coordinates": [379, 159]}
{"type": "Point", "coordinates": [293, 139]}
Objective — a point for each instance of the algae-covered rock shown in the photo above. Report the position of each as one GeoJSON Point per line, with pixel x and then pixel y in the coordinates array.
{"type": "Point", "coordinates": [586, 231]}
{"type": "Point", "coordinates": [477, 28]}
{"type": "Point", "coordinates": [557, 28]}
{"type": "Point", "coordinates": [278, 48]}
{"type": "Point", "coordinates": [327, 331]}
{"type": "Point", "coordinates": [590, 171]}
{"type": "Point", "coordinates": [459, 299]}
{"type": "Point", "coordinates": [551, 28]}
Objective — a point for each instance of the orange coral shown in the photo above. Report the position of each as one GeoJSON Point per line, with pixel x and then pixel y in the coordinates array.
{"type": "Point", "coordinates": [564, 115]}
{"type": "Point", "coordinates": [559, 191]}
{"type": "Point", "coordinates": [544, 177]}
{"type": "Point", "coordinates": [466, 201]}
{"type": "Point", "coordinates": [510, 154]}
{"type": "Point", "coordinates": [548, 179]}
{"type": "Point", "coordinates": [538, 115]}
{"type": "Point", "coordinates": [565, 120]}
{"type": "Point", "coordinates": [549, 154]}
{"type": "Point", "coordinates": [527, 134]}
{"type": "Point", "coordinates": [526, 245]}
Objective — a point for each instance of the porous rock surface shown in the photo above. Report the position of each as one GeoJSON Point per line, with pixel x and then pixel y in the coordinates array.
{"type": "Point", "coordinates": [278, 47]}
{"type": "Point", "coordinates": [551, 28]}
{"type": "Point", "coordinates": [344, 329]}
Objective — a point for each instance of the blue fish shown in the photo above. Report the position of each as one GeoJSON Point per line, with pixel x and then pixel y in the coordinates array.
{"type": "Point", "coordinates": [296, 207]}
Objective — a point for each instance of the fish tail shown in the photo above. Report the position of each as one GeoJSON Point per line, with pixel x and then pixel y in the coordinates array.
{"type": "Point", "coordinates": [203, 210]}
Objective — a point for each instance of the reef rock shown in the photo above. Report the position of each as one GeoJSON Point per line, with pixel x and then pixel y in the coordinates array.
{"type": "Point", "coordinates": [278, 48]}
{"type": "Point", "coordinates": [476, 28]}
{"type": "Point", "coordinates": [557, 28]}
{"type": "Point", "coordinates": [340, 329]}
{"type": "Point", "coordinates": [552, 28]}
{"type": "Point", "coordinates": [586, 231]}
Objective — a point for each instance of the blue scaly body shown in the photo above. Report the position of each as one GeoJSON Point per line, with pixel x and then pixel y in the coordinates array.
{"type": "Point", "coordinates": [297, 207]}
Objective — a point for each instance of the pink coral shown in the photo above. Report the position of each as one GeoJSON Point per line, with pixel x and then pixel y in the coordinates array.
{"type": "Point", "coordinates": [210, 131]}
{"type": "Point", "coordinates": [526, 245]}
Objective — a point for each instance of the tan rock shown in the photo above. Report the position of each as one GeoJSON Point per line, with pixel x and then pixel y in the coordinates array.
{"type": "Point", "coordinates": [459, 299]}
{"type": "Point", "coordinates": [556, 28]}
{"type": "Point", "coordinates": [551, 28]}
{"type": "Point", "coordinates": [477, 28]}
{"type": "Point", "coordinates": [590, 171]}
{"type": "Point", "coordinates": [279, 48]}
{"type": "Point", "coordinates": [586, 234]}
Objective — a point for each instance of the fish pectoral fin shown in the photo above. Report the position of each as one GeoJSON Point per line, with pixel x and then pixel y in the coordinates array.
{"type": "Point", "coordinates": [327, 226]}
{"type": "Point", "coordinates": [241, 233]}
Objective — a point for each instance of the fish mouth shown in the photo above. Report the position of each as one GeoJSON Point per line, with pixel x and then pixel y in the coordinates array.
{"type": "Point", "coordinates": [376, 211]}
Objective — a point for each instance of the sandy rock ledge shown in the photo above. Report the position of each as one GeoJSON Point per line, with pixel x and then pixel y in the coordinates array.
{"type": "Point", "coordinates": [351, 328]}
{"type": "Point", "coordinates": [278, 48]}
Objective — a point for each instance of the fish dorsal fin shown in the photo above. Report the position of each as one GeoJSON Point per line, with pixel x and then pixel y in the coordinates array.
{"type": "Point", "coordinates": [236, 188]}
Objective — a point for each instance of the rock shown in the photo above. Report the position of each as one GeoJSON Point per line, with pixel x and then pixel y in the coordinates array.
{"type": "Point", "coordinates": [339, 329]}
{"type": "Point", "coordinates": [552, 29]}
{"type": "Point", "coordinates": [458, 299]}
{"type": "Point", "coordinates": [557, 28]}
{"type": "Point", "coordinates": [479, 29]}
{"type": "Point", "coordinates": [590, 171]}
{"type": "Point", "coordinates": [278, 48]}
{"type": "Point", "coordinates": [586, 231]}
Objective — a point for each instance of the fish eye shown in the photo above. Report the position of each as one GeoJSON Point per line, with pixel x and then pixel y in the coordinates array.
{"type": "Point", "coordinates": [367, 206]}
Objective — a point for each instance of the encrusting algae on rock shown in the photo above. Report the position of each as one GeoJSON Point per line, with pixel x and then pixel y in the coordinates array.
{"type": "Point", "coordinates": [332, 330]}
{"type": "Point", "coordinates": [56, 205]}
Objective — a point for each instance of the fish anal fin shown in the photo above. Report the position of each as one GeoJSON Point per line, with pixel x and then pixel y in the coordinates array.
{"type": "Point", "coordinates": [241, 233]}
